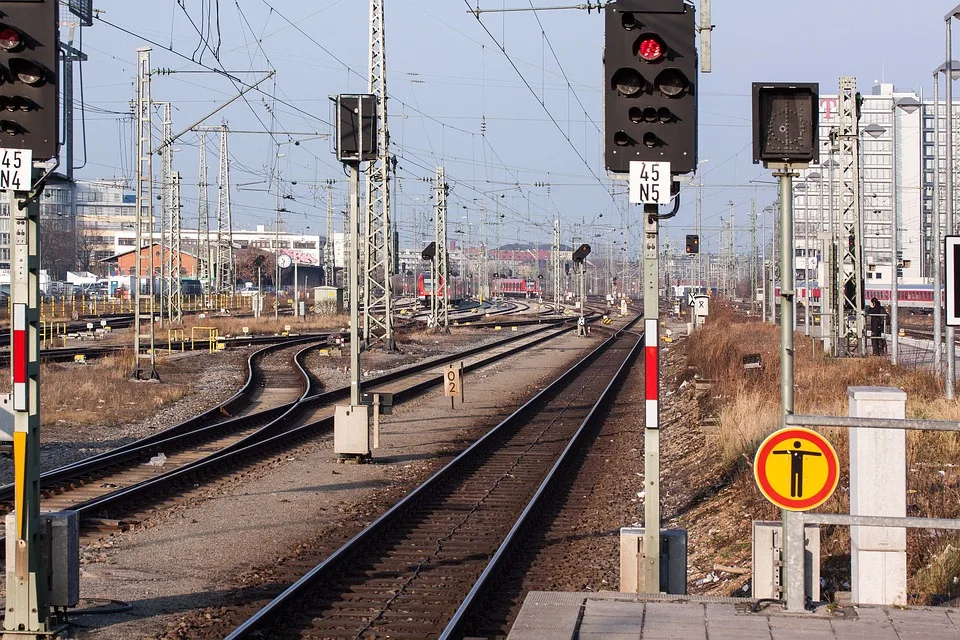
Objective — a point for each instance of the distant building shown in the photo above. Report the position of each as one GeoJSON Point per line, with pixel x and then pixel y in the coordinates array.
{"type": "Point", "coordinates": [123, 264]}
{"type": "Point", "coordinates": [880, 128]}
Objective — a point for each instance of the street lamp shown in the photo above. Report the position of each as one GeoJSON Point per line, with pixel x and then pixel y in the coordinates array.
{"type": "Point", "coordinates": [770, 288]}
{"type": "Point", "coordinates": [276, 246]}
{"type": "Point", "coordinates": [908, 105]}
{"type": "Point", "coordinates": [951, 377]}
{"type": "Point", "coordinates": [812, 176]}
{"type": "Point", "coordinates": [936, 263]}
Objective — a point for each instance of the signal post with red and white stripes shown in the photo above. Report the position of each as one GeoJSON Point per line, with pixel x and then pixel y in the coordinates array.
{"type": "Point", "coordinates": [651, 428]}
{"type": "Point", "coordinates": [26, 607]}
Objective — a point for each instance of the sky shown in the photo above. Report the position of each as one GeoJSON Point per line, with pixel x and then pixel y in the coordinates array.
{"type": "Point", "coordinates": [509, 104]}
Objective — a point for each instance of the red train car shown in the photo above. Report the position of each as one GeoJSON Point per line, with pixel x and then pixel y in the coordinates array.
{"type": "Point", "coordinates": [455, 294]}
{"type": "Point", "coordinates": [909, 296]}
{"type": "Point", "coordinates": [516, 288]}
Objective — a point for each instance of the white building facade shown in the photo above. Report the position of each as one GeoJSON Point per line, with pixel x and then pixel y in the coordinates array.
{"type": "Point", "coordinates": [891, 154]}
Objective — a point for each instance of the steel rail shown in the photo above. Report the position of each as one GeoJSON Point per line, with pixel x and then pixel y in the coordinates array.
{"type": "Point", "coordinates": [281, 435]}
{"type": "Point", "coordinates": [567, 459]}
{"type": "Point", "coordinates": [263, 619]}
{"type": "Point", "coordinates": [149, 445]}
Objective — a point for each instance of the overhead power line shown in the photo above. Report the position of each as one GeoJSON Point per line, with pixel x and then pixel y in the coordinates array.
{"type": "Point", "coordinates": [541, 102]}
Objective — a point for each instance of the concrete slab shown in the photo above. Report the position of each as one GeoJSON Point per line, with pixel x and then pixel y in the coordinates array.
{"type": "Point", "coordinates": [626, 616]}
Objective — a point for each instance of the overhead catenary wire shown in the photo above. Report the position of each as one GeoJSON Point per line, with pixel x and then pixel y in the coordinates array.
{"type": "Point", "coordinates": [542, 103]}
{"type": "Point", "coordinates": [230, 76]}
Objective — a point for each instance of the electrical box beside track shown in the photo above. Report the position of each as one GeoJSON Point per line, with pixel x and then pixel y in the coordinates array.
{"type": "Point", "coordinates": [673, 561]}
{"type": "Point", "coordinates": [59, 554]}
{"type": "Point", "coordinates": [351, 430]}
{"type": "Point", "coordinates": [767, 565]}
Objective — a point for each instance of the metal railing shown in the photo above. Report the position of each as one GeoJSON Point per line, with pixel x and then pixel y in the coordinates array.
{"type": "Point", "coordinates": [796, 520]}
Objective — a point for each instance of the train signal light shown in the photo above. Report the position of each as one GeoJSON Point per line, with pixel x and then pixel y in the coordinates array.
{"type": "Point", "coordinates": [580, 253]}
{"type": "Point", "coordinates": [786, 122]}
{"type": "Point", "coordinates": [29, 95]}
{"type": "Point", "coordinates": [693, 243]}
{"type": "Point", "coordinates": [356, 118]}
{"type": "Point", "coordinates": [429, 251]}
{"type": "Point", "coordinates": [650, 84]}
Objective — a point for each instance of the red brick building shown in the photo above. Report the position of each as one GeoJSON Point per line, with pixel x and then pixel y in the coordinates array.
{"type": "Point", "coordinates": [123, 263]}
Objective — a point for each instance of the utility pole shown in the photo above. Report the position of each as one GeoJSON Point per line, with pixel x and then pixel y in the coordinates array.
{"type": "Point", "coordinates": [937, 235]}
{"type": "Point", "coordinates": [68, 55]}
{"type": "Point", "coordinates": [482, 244]}
{"type": "Point", "coordinates": [496, 257]}
{"type": "Point", "coordinates": [205, 260]}
{"type": "Point", "coordinates": [699, 234]}
{"type": "Point", "coordinates": [225, 276]}
{"type": "Point", "coordinates": [774, 230]}
{"type": "Point", "coordinates": [329, 259]}
{"type": "Point", "coordinates": [144, 332]}
{"type": "Point", "coordinates": [26, 595]}
{"type": "Point", "coordinates": [378, 257]}
{"type": "Point", "coordinates": [440, 264]}
{"type": "Point", "coordinates": [722, 259]}
{"type": "Point", "coordinates": [833, 265]}
{"type": "Point", "coordinates": [166, 187]}
{"type": "Point", "coordinates": [950, 205]}
{"type": "Point", "coordinates": [849, 291]}
{"type": "Point", "coordinates": [732, 239]}
{"type": "Point", "coordinates": [276, 247]}
{"type": "Point", "coordinates": [557, 266]}
{"type": "Point", "coordinates": [651, 430]}
{"type": "Point", "coordinates": [753, 254]}
{"type": "Point", "coordinates": [176, 264]}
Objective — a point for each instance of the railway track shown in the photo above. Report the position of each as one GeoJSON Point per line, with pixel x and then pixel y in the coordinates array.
{"type": "Point", "coordinates": [276, 379]}
{"type": "Point", "coordinates": [106, 488]}
{"type": "Point", "coordinates": [422, 568]}
{"type": "Point", "coordinates": [68, 354]}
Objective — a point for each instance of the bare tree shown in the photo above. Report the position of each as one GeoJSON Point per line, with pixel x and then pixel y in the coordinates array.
{"type": "Point", "coordinates": [86, 248]}
{"type": "Point", "coordinates": [249, 259]}
{"type": "Point", "coordinates": [57, 247]}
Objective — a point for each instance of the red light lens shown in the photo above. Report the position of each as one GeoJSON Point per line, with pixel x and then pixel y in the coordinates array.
{"type": "Point", "coordinates": [9, 38]}
{"type": "Point", "coordinates": [650, 49]}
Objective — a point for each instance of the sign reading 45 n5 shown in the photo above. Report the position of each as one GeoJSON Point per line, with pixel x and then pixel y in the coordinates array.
{"type": "Point", "coordinates": [15, 168]}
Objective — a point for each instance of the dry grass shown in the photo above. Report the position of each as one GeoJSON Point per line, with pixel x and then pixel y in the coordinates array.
{"type": "Point", "coordinates": [266, 324]}
{"type": "Point", "coordinates": [748, 408]}
{"type": "Point", "coordinates": [100, 393]}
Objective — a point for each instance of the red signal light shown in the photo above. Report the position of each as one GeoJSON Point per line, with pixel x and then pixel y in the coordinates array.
{"type": "Point", "coordinates": [650, 49]}
{"type": "Point", "coordinates": [10, 38]}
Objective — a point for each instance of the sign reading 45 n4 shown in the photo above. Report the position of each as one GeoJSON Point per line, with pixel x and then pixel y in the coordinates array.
{"type": "Point", "coordinates": [15, 168]}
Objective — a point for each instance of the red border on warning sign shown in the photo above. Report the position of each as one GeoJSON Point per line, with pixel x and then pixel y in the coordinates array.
{"type": "Point", "coordinates": [794, 433]}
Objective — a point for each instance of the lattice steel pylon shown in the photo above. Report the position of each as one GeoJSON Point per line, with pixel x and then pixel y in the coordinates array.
{"type": "Point", "coordinates": [378, 248]}
{"type": "Point", "coordinates": [850, 269]}
{"type": "Point", "coordinates": [166, 188]}
{"type": "Point", "coordinates": [144, 337]}
{"type": "Point", "coordinates": [176, 246]}
{"type": "Point", "coordinates": [484, 272]}
{"type": "Point", "coordinates": [329, 261]}
{"type": "Point", "coordinates": [557, 267]}
{"type": "Point", "coordinates": [224, 264]}
{"type": "Point", "coordinates": [440, 304]}
{"type": "Point", "coordinates": [204, 259]}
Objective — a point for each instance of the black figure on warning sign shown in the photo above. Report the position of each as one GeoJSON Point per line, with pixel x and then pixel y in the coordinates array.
{"type": "Point", "coordinates": [796, 468]}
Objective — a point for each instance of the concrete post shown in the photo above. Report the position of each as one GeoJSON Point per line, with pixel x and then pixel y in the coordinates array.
{"type": "Point", "coordinates": [878, 487]}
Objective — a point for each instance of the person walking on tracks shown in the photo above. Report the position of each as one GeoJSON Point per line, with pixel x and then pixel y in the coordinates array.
{"type": "Point", "coordinates": [878, 324]}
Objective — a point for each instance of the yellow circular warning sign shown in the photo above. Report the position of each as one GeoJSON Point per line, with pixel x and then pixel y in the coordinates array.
{"type": "Point", "coordinates": [796, 469]}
